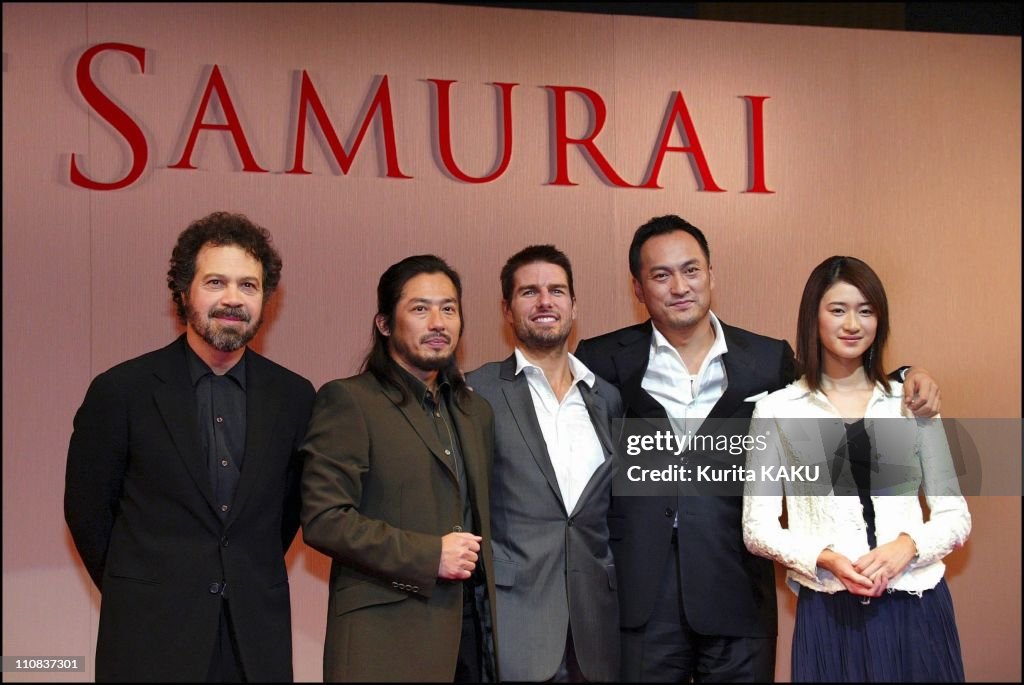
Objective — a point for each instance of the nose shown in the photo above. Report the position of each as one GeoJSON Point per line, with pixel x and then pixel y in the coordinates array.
{"type": "Point", "coordinates": [232, 296]}
{"type": "Point", "coordinates": [679, 284]}
{"type": "Point", "coordinates": [544, 299]}
{"type": "Point", "coordinates": [435, 320]}
{"type": "Point", "coordinates": [851, 322]}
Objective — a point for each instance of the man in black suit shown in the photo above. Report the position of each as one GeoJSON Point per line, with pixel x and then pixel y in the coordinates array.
{"type": "Point", "coordinates": [181, 490]}
{"type": "Point", "coordinates": [694, 603]}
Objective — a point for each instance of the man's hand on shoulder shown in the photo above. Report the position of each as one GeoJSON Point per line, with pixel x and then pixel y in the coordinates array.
{"type": "Point", "coordinates": [921, 393]}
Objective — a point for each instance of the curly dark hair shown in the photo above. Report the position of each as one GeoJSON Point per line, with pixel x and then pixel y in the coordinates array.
{"type": "Point", "coordinates": [221, 228]}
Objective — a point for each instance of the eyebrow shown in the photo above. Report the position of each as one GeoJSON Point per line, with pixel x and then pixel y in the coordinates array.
{"type": "Point", "coordinates": [668, 267]}
{"type": "Point", "coordinates": [549, 286]}
{"type": "Point", "coordinates": [428, 300]}
{"type": "Point", "coordinates": [224, 277]}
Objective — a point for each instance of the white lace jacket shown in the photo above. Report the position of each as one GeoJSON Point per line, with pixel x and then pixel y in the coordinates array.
{"type": "Point", "coordinates": [819, 518]}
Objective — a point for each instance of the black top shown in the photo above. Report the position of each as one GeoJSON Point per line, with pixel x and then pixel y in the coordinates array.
{"type": "Point", "coordinates": [858, 444]}
{"type": "Point", "coordinates": [220, 412]}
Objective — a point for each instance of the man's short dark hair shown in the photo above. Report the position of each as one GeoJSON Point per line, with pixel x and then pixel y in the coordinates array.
{"type": "Point", "coordinates": [220, 229]}
{"type": "Point", "coordinates": [548, 254]}
{"type": "Point", "coordinates": [660, 225]}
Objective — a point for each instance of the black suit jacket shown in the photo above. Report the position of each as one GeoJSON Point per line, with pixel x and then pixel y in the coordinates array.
{"type": "Point", "coordinates": [725, 589]}
{"type": "Point", "coordinates": [142, 514]}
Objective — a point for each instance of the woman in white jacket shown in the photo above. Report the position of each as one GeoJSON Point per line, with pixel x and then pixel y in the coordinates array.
{"type": "Point", "coordinates": [866, 566]}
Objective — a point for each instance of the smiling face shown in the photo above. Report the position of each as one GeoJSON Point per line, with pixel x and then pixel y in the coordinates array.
{"type": "Point", "coordinates": [846, 324]}
{"type": "Point", "coordinates": [675, 281]}
{"type": "Point", "coordinates": [425, 328]}
{"type": "Point", "coordinates": [540, 310]}
{"type": "Point", "coordinates": [224, 304]}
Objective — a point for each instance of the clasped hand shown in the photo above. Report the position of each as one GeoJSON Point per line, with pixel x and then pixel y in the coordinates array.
{"type": "Point", "coordinates": [459, 554]}
{"type": "Point", "coordinates": [869, 575]}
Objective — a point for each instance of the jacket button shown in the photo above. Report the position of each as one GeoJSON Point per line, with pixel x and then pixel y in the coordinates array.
{"type": "Point", "coordinates": [214, 588]}
{"type": "Point", "coordinates": [224, 542]}
{"type": "Point", "coordinates": [571, 523]}
{"type": "Point", "coordinates": [669, 511]}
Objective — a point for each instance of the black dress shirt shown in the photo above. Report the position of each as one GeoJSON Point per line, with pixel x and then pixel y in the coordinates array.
{"type": "Point", "coordinates": [220, 407]}
{"type": "Point", "coordinates": [437, 408]}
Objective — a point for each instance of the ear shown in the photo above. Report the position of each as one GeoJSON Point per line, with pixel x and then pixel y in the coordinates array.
{"type": "Point", "coordinates": [506, 312]}
{"type": "Point", "coordinates": [711, 277]}
{"type": "Point", "coordinates": [381, 322]}
{"type": "Point", "coordinates": [638, 290]}
{"type": "Point", "coordinates": [574, 309]}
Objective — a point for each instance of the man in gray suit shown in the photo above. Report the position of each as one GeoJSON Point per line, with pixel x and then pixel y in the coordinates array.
{"type": "Point", "coordinates": [557, 609]}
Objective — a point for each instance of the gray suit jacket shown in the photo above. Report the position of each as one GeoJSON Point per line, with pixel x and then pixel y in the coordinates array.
{"type": "Point", "coordinates": [553, 568]}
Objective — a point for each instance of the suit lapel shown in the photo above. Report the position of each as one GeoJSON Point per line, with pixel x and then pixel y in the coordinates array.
{"type": "Point", "coordinates": [742, 377]}
{"type": "Point", "coordinates": [598, 410]}
{"type": "Point", "coordinates": [631, 365]}
{"type": "Point", "coordinates": [517, 394]}
{"type": "Point", "coordinates": [262, 406]}
{"type": "Point", "coordinates": [475, 456]}
{"type": "Point", "coordinates": [176, 402]}
{"type": "Point", "coordinates": [417, 418]}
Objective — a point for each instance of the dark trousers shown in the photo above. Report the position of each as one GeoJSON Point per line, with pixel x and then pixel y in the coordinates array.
{"type": "Point", "coordinates": [569, 670]}
{"type": "Point", "coordinates": [470, 665]}
{"type": "Point", "coordinates": [667, 649]}
{"type": "Point", "coordinates": [225, 666]}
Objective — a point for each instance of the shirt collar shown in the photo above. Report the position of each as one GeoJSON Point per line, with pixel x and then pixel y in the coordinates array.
{"type": "Point", "coordinates": [197, 368]}
{"type": "Point", "coordinates": [419, 389]}
{"type": "Point", "coordinates": [802, 390]}
{"type": "Point", "coordinates": [580, 373]}
{"type": "Point", "coordinates": [660, 343]}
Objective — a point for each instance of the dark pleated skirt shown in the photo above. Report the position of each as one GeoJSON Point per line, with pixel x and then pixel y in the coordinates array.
{"type": "Point", "coordinates": [898, 637]}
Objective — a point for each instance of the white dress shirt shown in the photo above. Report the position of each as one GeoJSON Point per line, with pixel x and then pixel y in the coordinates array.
{"type": "Point", "coordinates": [836, 522]}
{"type": "Point", "coordinates": [572, 442]}
{"type": "Point", "coordinates": [687, 397]}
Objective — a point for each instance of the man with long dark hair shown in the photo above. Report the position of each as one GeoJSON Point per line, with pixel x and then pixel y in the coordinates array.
{"type": "Point", "coordinates": [397, 465]}
{"type": "Point", "coordinates": [183, 478]}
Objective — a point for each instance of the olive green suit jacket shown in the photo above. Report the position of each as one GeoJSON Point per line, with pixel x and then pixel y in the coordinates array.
{"type": "Point", "coordinates": [378, 493]}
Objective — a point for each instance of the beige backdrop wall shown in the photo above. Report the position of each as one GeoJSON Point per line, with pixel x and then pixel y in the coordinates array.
{"type": "Point", "coordinates": [900, 148]}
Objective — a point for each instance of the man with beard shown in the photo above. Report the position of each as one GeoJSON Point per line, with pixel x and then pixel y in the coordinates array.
{"type": "Point", "coordinates": [182, 479]}
{"type": "Point", "coordinates": [557, 612]}
{"type": "Point", "coordinates": [394, 490]}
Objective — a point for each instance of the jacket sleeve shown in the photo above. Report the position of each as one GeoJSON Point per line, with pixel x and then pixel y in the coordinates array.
{"type": "Point", "coordinates": [96, 465]}
{"type": "Point", "coordinates": [949, 521]}
{"type": "Point", "coordinates": [337, 456]}
{"type": "Point", "coordinates": [293, 496]}
{"type": "Point", "coordinates": [763, 533]}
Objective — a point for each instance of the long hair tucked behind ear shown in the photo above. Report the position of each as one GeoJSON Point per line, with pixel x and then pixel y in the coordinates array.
{"type": "Point", "coordinates": [808, 340]}
{"type": "Point", "coordinates": [389, 291]}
